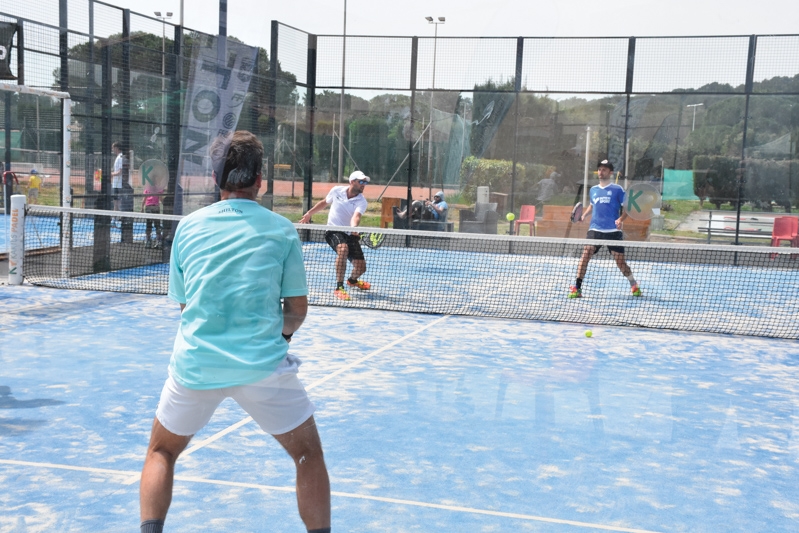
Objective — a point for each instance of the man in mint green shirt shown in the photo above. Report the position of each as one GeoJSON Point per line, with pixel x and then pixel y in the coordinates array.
{"type": "Point", "coordinates": [231, 264]}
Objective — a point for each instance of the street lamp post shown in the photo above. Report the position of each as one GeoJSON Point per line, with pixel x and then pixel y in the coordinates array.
{"type": "Point", "coordinates": [693, 124]}
{"type": "Point", "coordinates": [163, 18]}
{"type": "Point", "coordinates": [341, 102]}
{"type": "Point", "coordinates": [431, 20]}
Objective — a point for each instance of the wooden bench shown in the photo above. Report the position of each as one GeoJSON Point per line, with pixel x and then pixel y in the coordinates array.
{"type": "Point", "coordinates": [387, 210]}
{"type": "Point", "coordinates": [556, 222]}
{"type": "Point", "coordinates": [283, 171]}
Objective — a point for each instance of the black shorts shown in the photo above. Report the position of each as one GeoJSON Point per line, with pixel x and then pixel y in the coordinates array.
{"type": "Point", "coordinates": [610, 236]}
{"type": "Point", "coordinates": [354, 251]}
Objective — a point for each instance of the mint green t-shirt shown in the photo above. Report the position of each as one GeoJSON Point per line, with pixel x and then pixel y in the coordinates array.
{"type": "Point", "coordinates": [231, 263]}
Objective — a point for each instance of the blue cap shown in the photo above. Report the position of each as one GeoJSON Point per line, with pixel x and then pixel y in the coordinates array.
{"type": "Point", "coordinates": [34, 171]}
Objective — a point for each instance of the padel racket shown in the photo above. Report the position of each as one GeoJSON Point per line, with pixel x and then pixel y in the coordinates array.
{"type": "Point", "coordinates": [642, 201]}
{"type": "Point", "coordinates": [372, 240]}
{"type": "Point", "coordinates": [577, 212]}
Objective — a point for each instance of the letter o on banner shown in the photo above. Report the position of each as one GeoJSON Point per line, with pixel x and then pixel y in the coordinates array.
{"type": "Point", "coordinates": [205, 106]}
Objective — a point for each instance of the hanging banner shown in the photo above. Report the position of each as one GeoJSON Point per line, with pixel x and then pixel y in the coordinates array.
{"type": "Point", "coordinates": [218, 82]}
{"type": "Point", "coordinates": [7, 31]}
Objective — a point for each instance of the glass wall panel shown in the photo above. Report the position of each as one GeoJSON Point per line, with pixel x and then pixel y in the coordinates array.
{"type": "Point", "coordinates": [290, 156]}
{"type": "Point", "coordinates": [772, 165]}
{"type": "Point", "coordinates": [375, 141]}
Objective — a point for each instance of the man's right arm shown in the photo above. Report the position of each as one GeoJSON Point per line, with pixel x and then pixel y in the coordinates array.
{"type": "Point", "coordinates": [321, 204]}
{"type": "Point", "coordinates": [587, 211]}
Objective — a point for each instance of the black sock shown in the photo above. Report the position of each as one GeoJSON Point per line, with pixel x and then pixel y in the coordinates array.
{"type": "Point", "coordinates": [353, 281]}
{"type": "Point", "coordinates": [579, 283]}
{"type": "Point", "coordinates": [339, 285]}
{"type": "Point", "coordinates": [152, 526]}
{"type": "Point", "coordinates": [320, 530]}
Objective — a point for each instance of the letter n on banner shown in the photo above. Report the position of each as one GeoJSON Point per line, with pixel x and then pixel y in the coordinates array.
{"type": "Point", "coordinates": [218, 83]}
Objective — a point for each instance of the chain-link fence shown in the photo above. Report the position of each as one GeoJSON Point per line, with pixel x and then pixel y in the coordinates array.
{"type": "Point", "coordinates": [710, 121]}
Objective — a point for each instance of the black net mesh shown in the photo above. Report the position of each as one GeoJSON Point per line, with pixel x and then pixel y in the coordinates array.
{"type": "Point", "coordinates": [720, 289]}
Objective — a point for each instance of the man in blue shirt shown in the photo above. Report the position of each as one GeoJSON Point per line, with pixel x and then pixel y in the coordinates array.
{"type": "Point", "coordinates": [231, 264]}
{"type": "Point", "coordinates": [607, 201]}
{"type": "Point", "coordinates": [438, 207]}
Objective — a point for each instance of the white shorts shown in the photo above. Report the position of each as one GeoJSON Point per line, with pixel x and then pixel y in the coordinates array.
{"type": "Point", "coordinates": [277, 403]}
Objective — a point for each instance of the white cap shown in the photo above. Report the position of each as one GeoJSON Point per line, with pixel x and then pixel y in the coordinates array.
{"type": "Point", "coordinates": [358, 175]}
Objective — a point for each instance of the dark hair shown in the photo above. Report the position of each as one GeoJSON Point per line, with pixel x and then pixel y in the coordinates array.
{"type": "Point", "coordinates": [243, 160]}
{"type": "Point", "coordinates": [117, 145]}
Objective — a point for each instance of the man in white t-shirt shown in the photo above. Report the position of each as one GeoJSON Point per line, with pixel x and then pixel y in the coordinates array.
{"type": "Point", "coordinates": [116, 174]}
{"type": "Point", "coordinates": [347, 205]}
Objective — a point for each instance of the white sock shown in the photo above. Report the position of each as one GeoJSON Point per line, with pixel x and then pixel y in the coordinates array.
{"type": "Point", "coordinates": [631, 279]}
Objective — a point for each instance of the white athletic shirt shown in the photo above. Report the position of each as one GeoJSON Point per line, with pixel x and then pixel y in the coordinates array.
{"type": "Point", "coordinates": [116, 180]}
{"type": "Point", "coordinates": [342, 208]}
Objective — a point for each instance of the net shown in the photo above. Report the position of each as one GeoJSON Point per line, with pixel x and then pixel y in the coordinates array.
{"type": "Point", "coordinates": [703, 288]}
{"type": "Point", "coordinates": [97, 250]}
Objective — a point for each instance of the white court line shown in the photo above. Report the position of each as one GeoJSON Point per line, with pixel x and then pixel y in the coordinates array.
{"type": "Point", "coordinates": [397, 501]}
{"type": "Point", "coordinates": [237, 425]}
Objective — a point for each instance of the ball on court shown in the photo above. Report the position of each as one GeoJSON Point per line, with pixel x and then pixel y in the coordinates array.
{"type": "Point", "coordinates": [588, 333]}
{"type": "Point", "coordinates": [510, 217]}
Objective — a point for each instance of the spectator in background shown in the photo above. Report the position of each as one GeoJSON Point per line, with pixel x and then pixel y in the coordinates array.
{"type": "Point", "coordinates": [116, 175]}
{"type": "Point", "coordinates": [152, 205]}
{"type": "Point", "coordinates": [34, 183]}
{"type": "Point", "coordinates": [416, 210]}
{"type": "Point", "coordinates": [438, 208]}
{"type": "Point", "coordinates": [427, 210]}
{"type": "Point", "coordinates": [126, 198]}
{"type": "Point", "coordinates": [546, 189]}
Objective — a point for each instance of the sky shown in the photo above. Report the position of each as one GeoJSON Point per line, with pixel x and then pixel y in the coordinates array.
{"type": "Point", "coordinates": [249, 20]}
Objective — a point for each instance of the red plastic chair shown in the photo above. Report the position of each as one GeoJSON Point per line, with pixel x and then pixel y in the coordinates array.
{"type": "Point", "coordinates": [785, 229]}
{"type": "Point", "coordinates": [795, 240]}
{"type": "Point", "coordinates": [527, 216]}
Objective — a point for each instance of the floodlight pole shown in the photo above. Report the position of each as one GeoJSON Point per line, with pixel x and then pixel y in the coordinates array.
{"type": "Point", "coordinates": [585, 170]}
{"type": "Point", "coordinates": [431, 20]}
{"type": "Point", "coordinates": [341, 102]}
{"type": "Point", "coordinates": [164, 18]}
{"type": "Point", "coordinates": [693, 124]}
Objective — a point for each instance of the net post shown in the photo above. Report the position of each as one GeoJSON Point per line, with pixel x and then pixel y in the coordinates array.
{"type": "Point", "coordinates": [16, 250]}
{"type": "Point", "coordinates": [66, 241]}
{"type": "Point", "coordinates": [66, 155]}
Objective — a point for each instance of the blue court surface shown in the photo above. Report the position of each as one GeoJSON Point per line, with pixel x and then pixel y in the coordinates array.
{"type": "Point", "coordinates": [430, 423]}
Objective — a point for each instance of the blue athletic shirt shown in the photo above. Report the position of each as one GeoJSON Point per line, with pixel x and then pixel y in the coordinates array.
{"type": "Point", "coordinates": [441, 205]}
{"type": "Point", "coordinates": [231, 263]}
{"type": "Point", "coordinates": [606, 203]}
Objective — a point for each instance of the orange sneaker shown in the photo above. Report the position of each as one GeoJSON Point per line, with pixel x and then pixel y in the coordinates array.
{"type": "Point", "coordinates": [342, 294]}
{"type": "Point", "coordinates": [363, 285]}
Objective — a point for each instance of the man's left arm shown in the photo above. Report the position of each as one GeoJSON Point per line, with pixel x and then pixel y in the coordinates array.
{"type": "Point", "coordinates": [295, 309]}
